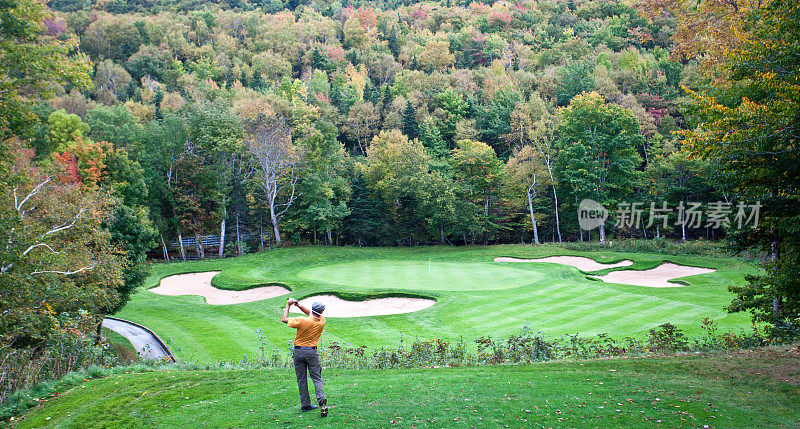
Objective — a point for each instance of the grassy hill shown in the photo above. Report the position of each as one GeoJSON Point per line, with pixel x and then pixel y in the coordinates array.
{"type": "Point", "coordinates": [475, 297]}
{"type": "Point", "coordinates": [745, 389]}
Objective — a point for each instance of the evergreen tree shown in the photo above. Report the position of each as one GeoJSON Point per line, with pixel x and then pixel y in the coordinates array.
{"type": "Point", "coordinates": [431, 138]}
{"type": "Point", "coordinates": [410, 123]}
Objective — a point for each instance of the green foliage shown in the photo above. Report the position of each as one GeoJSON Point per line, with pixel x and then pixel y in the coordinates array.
{"type": "Point", "coordinates": [114, 124]}
{"type": "Point", "coordinates": [432, 139]}
{"type": "Point", "coordinates": [31, 63]}
{"type": "Point", "coordinates": [575, 79]}
{"type": "Point", "coordinates": [65, 130]}
{"type": "Point", "coordinates": [598, 141]}
{"type": "Point", "coordinates": [495, 121]}
{"type": "Point", "coordinates": [410, 122]}
{"type": "Point", "coordinates": [749, 127]}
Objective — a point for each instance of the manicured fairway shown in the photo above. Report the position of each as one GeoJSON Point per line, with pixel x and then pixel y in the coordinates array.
{"type": "Point", "coordinates": [475, 297]}
{"type": "Point", "coordinates": [738, 390]}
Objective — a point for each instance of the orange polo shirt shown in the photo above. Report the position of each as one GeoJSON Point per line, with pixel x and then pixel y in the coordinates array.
{"type": "Point", "coordinates": [308, 328]}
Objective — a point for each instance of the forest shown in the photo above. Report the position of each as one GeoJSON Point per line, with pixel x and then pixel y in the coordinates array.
{"type": "Point", "coordinates": [421, 123]}
{"type": "Point", "coordinates": [152, 129]}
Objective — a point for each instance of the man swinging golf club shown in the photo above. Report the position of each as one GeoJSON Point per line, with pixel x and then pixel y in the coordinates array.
{"type": "Point", "coordinates": [309, 329]}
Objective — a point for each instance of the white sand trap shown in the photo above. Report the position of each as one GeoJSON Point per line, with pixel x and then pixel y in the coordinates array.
{"type": "Point", "coordinates": [579, 262]}
{"type": "Point", "coordinates": [337, 307]}
{"type": "Point", "coordinates": [657, 277]}
{"type": "Point", "coordinates": [200, 284]}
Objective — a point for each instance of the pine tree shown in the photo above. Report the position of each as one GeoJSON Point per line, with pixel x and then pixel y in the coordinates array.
{"type": "Point", "coordinates": [394, 45]}
{"type": "Point", "coordinates": [431, 138]}
{"type": "Point", "coordinates": [410, 123]}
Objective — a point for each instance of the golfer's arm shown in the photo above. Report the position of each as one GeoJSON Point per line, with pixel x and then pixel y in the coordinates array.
{"type": "Point", "coordinates": [285, 318]}
{"type": "Point", "coordinates": [303, 309]}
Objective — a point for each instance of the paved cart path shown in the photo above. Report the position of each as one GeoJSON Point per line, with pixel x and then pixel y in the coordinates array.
{"type": "Point", "coordinates": [144, 341]}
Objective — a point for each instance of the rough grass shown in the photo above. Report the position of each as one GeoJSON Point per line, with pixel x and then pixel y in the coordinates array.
{"type": "Point", "coordinates": [121, 346]}
{"type": "Point", "coordinates": [745, 389]}
{"type": "Point", "coordinates": [475, 297]}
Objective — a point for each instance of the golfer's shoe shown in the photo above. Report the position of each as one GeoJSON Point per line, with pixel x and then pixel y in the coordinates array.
{"type": "Point", "coordinates": [308, 408]}
{"type": "Point", "coordinates": [323, 408]}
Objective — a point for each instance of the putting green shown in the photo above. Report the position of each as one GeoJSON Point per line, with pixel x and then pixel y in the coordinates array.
{"type": "Point", "coordinates": [422, 275]}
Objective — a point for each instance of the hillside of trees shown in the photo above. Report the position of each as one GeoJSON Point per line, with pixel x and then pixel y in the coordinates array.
{"type": "Point", "coordinates": [377, 123]}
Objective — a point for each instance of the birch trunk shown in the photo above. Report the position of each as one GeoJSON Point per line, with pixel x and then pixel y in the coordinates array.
{"type": "Point", "coordinates": [777, 301]}
{"type": "Point", "coordinates": [275, 227]}
{"type": "Point", "coordinates": [201, 252]}
{"type": "Point", "coordinates": [533, 217]}
{"type": "Point", "coordinates": [222, 229]}
{"type": "Point", "coordinates": [555, 202]}
{"type": "Point", "coordinates": [180, 244]}
{"type": "Point", "coordinates": [164, 247]}
{"type": "Point", "coordinates": [238, 236]}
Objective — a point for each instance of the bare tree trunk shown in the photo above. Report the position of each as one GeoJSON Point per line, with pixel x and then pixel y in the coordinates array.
{"type": "Point", "coordinates": [777, 301]}
{"type": "Point", "coordinates": [201, 252]}
{"type": "Point", "coordinates": [164, 247]}
{"type": "Point", "coordinates": [99, 329]}
{"type": "Point", "coordinates": [330, 238]}
{"type": "Point", "coordinates": [555, 199]}
{"type": "Point", "coordinates": [180, 244]}
{"type": "Point", "coordinates": [275, 227]}
{"type": "Point", "coordinates": [533, 217]}
{"type": "Point", "coordinates": [222, 229]}
{"type": "Point", "coordinates": [683, 226]}
{"type": "Point", "coordinates": [239, 236]}
{"type": "Point", "coordinates": [441, 235]}
{"type": "Point", "coordinates": [602, 232]}
{"type": "Point", "coordinates": [261, 231]}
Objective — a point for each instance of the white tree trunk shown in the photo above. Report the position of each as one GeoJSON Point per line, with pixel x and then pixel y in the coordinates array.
{"type": "Point", "coordinates": [275, 227]}
{"type": "Point", "coordinates": [180, 244]}
{"type": "Point", "coordinates": [555, 200]}
{"type": "Point", "coordinates": [201, 251]}
{"type": "Point", "coordinates": [222, 229]}
{"type": "Point", "coordinates": [164, 247]}
{"type": "Point", "coordinates": [533, 217]}
{"type": "Point", "coordinates": [238, 236]}
{"type": "Point", "coordinates": [602, 234]}
{"type": "Point", "coordinates": [777, 301]}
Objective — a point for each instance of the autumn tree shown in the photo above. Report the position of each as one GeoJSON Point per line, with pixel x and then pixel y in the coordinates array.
{"type": "Point", "coordinates": [748, 128]}
{"type": "Point", "coordinates": [32, 64]}
{"type": "Point", "coordinates": [59, 258]}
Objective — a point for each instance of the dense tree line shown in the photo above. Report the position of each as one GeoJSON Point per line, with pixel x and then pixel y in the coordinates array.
{"type": "Point", "coordinates": [379, 123]}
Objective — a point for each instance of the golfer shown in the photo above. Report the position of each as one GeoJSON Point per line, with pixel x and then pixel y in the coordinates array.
{"type": "Point", "coordinates": [309, 330]}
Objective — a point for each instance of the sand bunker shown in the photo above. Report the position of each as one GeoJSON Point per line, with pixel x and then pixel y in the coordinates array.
{"type": "Point", "coordinates": [200, 284]}
{"type": "Point", "coordinates": [579, 262]}
{"type": "Point", "coordinates": [337, 307]}
{"type": "Point", "coordinates": [657, 277]}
